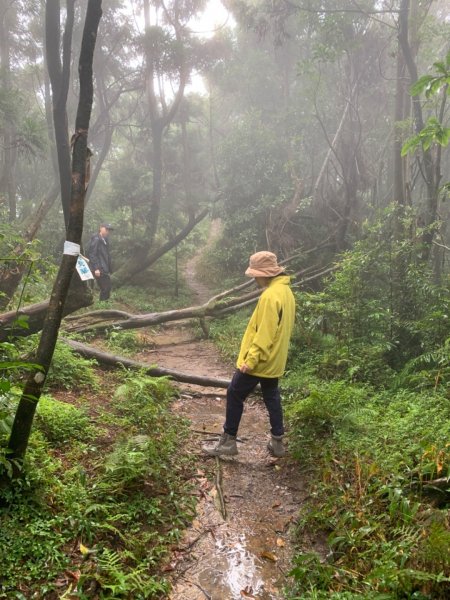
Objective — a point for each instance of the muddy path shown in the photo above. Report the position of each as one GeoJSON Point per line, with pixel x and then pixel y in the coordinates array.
{"type": "Point", "coordinates": [246, 554]}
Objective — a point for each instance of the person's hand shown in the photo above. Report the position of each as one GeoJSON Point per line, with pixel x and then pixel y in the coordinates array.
{"type": "Point", "coordinates": [97, 272]}
{"type": "Point", "coordinates": [244, 368]}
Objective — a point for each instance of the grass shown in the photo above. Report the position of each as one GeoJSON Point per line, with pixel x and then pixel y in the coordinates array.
{"type": "Point", "coordinates": [106, 490]}
{"type": "Point", "coordinates": [104, 497]}
{"type": "Point", "coordinates": [369, 454]}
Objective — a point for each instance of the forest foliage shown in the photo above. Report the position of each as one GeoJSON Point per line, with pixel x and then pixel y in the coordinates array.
{"type": "Point", "coordinates": [314, 129]}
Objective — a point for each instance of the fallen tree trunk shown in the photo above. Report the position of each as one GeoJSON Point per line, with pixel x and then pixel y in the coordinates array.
{"type": "Point", "coordinates": [101, 320]}
{"type": "Point", "coordinates": [30, 319]}
{"type": "Point", "coordinates": [110, 360]}
{"type": "Point", "coordinates": [298, 254]}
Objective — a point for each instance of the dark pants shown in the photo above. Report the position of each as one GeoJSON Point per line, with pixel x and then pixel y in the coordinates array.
{"type": "Point", "coordinates": [104, 283]}
{"type": "Point", "coordinates": [240, 387]}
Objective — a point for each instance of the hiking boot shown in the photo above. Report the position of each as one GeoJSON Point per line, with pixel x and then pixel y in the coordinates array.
{"type": "Point", "coordinates": [275, 446]}
{"type": "Point", "coordinates": [225, 447]}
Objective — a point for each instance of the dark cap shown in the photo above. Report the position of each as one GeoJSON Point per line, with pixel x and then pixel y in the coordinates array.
{"type": "Point", "coordinates": [106, 226]}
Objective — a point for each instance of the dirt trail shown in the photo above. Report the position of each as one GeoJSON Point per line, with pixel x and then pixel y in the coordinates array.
{"type": "Point", "coordinates": [246, 555]}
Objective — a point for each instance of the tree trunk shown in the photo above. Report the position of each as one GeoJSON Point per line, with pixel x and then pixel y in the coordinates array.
{"type": "Point", "coordinates": [103, 122]}
{"type": "Point", "coordinates": [59, 79]}
{"type": "Point", "coordinates": [23, 420]}
{"type": "Point", "coordinates": [109, 130]}
{"type": "Point", "coordinates": [136, 264]}
{"type": "Point", "coordinates": [161, 116]}
{"type": "Point", "coordinates": [430, 167]}
{"type": "Point", "coordinates": [399, 116]}
{"type": "Point", "coordinates": [80, 296]}
{"type": "Point", "coordinates": [333, 145]}
{"type": "Point", "coordinates": [35, 313]}
{"type": "Point", "coordinates": [11, 275]}
{"type": "Point", "coordinates": [7, 177]}
{"type": "Point", "coordinates": [107, 359]}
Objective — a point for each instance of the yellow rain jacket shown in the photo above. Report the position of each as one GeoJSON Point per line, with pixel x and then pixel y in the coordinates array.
{"type": "Point", "coordinates": [264, 347]}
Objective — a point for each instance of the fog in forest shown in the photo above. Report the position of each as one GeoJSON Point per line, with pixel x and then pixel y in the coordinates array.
{"type": "Point", "coordinates": [149, 149]}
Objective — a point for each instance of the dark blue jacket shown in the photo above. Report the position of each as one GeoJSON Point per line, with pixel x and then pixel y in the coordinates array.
{"type": "Point", "coordinates": [99, 255]}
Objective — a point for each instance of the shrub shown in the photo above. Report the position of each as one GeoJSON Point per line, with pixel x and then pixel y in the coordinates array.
{"type": "Point", "coordinates": [61, 423]}
{"type": "Point", "coordinates": [131, 463]}
{"type": "Point", "coordinates": [143, 403]}
{"type": "Point", "coordinates": [126, 342]}
{"type": "Point", "coordinates": [68, 370]}
{"type": "Point", "coordinates": [369, 451]}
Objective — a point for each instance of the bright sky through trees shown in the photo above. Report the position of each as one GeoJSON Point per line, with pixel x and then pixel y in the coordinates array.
{"type": "Point", "coordinates": [212, 19]}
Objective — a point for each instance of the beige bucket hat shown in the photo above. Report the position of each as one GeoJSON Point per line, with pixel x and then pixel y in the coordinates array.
{"type": "Point", "coordinates": [264, 264]}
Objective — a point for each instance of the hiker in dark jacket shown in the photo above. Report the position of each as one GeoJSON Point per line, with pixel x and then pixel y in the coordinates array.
{"type": "Point", "coordinates": [100, 260]}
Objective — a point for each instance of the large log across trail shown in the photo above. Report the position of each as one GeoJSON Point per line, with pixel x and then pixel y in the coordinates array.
{"type": "Point", "coordinates": [111, 360]}
{"type": "Point", "coordinates": [101, 320]}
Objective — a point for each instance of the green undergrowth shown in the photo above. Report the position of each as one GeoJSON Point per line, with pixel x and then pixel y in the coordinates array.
{"type": "Point", "coordinates": [370, 456]}
{"type": "Point", "coordinates": [103, 497]}
{"type": "Point", "coordinates": [69, 370]}
{"type": "Point", "coordinates": [367, 398]}
{"type": "Point", "coordinates": [124, 341]}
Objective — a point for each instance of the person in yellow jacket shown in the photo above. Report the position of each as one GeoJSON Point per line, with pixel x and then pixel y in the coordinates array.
{"type": "Point", "coordinates": [263, 355]}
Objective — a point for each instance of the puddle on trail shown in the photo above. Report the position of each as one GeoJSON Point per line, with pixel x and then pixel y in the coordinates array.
{"type": "Point", "coordinates": [248, 554]}
{"type": "Point", "coordinates": [235, 570]}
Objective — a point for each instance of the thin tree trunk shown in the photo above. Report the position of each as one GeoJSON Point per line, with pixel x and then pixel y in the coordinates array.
{"type": "Point", "coordinates": [430, 167]}
{"type": "Point", "coordinates": [11, 275]}
{"type": "Point", "coordinates": [35, 314]}
{"type": "Point", "coordinates": [109, 130]}
{"type": "Point", "coordinates": [23, 420]}
{"type": "Point", "coordinates": [79, 296]}
{"type": "Point", "coordinates": [35, 223]}
{"type": "Point", "coordinates": [211, 140]}
{"type": "Point", "coordinates": [7, 178]}
{"type": "Point", "coordinates": [102, 320]}
{"type": "Point", "coordinates": [399, 115]}
{"type": "Point", "coordinates": [333, 145]}
{"type": "Point", "coordinates": [161, 115]}
{"type": "Point", "coordinates": [103, 122]}
{"type": "Point", "coordinates": [59, 79]}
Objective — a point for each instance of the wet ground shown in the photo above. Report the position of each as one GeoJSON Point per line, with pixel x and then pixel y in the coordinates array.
{"type": "Point", "coordinates": [246, 552]}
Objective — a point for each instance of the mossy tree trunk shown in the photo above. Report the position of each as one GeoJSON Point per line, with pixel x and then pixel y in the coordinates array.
{"type": "Point", "coordinates": [23, 421]}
